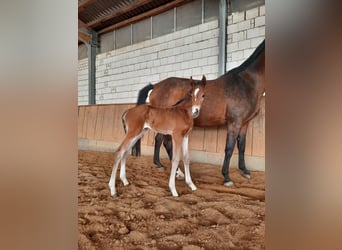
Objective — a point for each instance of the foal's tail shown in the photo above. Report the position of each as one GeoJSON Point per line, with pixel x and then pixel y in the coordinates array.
{"type": "Point", "coordinates": [123, 119]}
{"type": "Point", "coordinates": [142, 96]}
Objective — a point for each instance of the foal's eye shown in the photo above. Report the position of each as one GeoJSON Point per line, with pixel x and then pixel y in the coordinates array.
{"type": "Point", "coordinates": [203, 96]}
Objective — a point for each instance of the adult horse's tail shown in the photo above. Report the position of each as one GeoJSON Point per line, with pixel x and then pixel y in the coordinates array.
{"type": "Point", "coordinates": [142, 97]}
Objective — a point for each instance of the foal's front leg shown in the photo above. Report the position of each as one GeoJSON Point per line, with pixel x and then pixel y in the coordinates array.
{"type": "Point", "coordinates": [186, 161]}
{"type": "Point", "coordinates": [176, 145]}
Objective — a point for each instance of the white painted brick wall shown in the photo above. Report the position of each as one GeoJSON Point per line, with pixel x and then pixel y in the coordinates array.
{"type": "Point", "coordinates": [123, 72]}
{"type": "Point", "coordinates": [245, 31]}
{"type": "Point", "coordinates": [83, 82]}
{"type": "Point", "coordinates": [193, 52]}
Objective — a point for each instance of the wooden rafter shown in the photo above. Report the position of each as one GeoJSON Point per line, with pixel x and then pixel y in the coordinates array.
{"type": "Point", "coordinates": [83, 37]}
{"type": "Point", "coordinates": [144, 15]}
{"type": "Point", "coordinates": [81, 25]}
{"type": "Point", "coordinates": [119, 12]}
{"type": "Point", "coordinates": [84, 4]}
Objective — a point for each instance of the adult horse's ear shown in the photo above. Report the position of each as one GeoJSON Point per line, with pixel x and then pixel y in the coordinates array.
{"type": "Point", "coordinates": [204, 80]}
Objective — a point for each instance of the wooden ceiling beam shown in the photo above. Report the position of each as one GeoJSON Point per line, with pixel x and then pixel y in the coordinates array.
{"type": "Point", "coordinates": [84, 4]}
{"type": "Point", "coordinates": [119, 12]}
{"type": "Point", "coordinates": [144, 15]}
{"type": "Point", "coordinates": [83, 37]}
{"type": "Point", "coordinates": [81, 25]}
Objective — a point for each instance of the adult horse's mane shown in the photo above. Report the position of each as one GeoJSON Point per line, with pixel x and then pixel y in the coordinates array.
{"type": "Point", "coordinates": [249, 60]}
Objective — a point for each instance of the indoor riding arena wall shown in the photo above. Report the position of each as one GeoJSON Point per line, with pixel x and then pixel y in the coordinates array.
{"type": "Point", "coordinates": [100, 128]}
{"type": "Point", "coordinates": [193, 51]}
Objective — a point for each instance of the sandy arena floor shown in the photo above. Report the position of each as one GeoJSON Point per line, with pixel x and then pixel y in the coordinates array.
{"type": "Point", "coordinates": [146, 216]}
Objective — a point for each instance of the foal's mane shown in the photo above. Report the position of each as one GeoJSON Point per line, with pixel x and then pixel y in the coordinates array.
{"type": "Point", "coordinates": [187, 97]}
{"type": "Point", "coordinates": [250, 59]}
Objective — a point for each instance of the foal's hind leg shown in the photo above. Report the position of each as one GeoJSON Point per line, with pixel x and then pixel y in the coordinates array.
{"type": "Point", "coordinates": [123, 169]}
{"type": "Point", "coordinates": [241, 144]}
{"type": "Point", "coordinates": [121, 154]}
{"type": "Point", "coordinates": [117, 157]}
{"type": "Point", "coordinates": [129, 145]}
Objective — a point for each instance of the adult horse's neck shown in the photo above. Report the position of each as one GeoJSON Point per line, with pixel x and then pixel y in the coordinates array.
{"type": "Point", "coordinates": [255, 62]}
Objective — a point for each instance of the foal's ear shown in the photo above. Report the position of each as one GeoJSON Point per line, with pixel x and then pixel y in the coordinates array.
{"type": "Point", "coordinates": [204, 80]}
{"type": "Point", "coordinates": [192, 82]}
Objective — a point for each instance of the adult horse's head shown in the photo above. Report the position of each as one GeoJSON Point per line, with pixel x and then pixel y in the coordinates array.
{"type": "Point", "coordinates": [197, 95]}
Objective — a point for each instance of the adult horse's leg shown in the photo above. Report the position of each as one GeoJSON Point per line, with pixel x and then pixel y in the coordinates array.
{"type": "Point", "coordinates": [241, 144]}
{"type": "Point", "coordinates": [186, 161]}
{"type": "Point", "coordinates": [136, 150]}
{"type": "Point", "coordinates": [167, 142]}
{"type": "Point", "coordinates": [158, 140]}
{"type": "Point", "coordinates": [230, 144]}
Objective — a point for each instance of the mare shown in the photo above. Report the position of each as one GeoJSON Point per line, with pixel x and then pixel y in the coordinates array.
{"type": "Point", "coordinates": [176, 121]}
{"type": "Point", "coordinates": [232, 100]}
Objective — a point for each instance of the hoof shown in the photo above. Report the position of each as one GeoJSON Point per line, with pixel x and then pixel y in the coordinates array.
{"type": "Point", "coordinates": [248, 176]}
{"type": "Point", "coordinates": [161, 168]}
{"type": "Point", "coordinates": [245, 173]}
{"type": "Point", "coordinates": [114, 195]}
{"type": "Point", "coordinates": [229, 184]}
{"type": "Point", "coordinates": [159, 165]}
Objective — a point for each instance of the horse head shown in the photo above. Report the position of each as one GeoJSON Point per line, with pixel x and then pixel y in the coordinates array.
{"type": "Point", "coordinates": [197, 95]}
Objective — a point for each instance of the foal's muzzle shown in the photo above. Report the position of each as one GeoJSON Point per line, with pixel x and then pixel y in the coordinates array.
{"type": "Point", "coordinates": [195, 112]}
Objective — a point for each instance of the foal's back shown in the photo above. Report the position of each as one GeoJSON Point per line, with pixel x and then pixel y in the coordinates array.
{"type": "Point", "coordinates": [162, 120]}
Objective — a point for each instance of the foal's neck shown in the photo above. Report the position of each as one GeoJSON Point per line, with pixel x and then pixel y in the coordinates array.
{"type": "Point", "coordinates": [184, 104]}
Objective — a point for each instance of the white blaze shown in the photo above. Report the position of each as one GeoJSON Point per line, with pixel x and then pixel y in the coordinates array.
{"type": "Point", "coordinates": [148, 96]}
{"type": "Point", "coordinates": [196, 92]}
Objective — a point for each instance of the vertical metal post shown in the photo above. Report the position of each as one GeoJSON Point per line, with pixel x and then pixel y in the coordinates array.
{"type": "Point", "coordinates": [222, 37]}
{"type": "Point", "coordinates": [93, 43]}
{"type": "Point", "coordinates": [174, 19]}
{"type": "Point", "coordinates": [203, 7]}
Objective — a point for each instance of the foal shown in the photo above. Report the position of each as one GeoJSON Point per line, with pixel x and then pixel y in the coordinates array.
{"type": "Point", "coordinates": [176, 121]}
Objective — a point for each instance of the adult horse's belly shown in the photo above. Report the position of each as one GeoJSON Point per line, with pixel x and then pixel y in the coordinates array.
{"type": "Point", "coordinates": [212, 113]}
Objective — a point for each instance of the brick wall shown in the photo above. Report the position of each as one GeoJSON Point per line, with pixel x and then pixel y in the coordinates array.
{"type": "Point", "coordinates": [245, 31]}
{"type": "Point", "coordinates": [121, 73]}
{"type": "Point", "coordinates": [83, 82]}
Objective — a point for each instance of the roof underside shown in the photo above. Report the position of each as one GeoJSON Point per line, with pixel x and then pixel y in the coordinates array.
{"type": "Point", "coordinates": [103, 13]}
{"type": "Point", "coordinates": [106, 15]}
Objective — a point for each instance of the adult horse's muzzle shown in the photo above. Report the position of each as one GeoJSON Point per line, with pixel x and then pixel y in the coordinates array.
{"type": "Point", "coordinates": [195, 112]}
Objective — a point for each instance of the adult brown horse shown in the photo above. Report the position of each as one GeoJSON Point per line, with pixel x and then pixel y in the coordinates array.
{"type": "Point", "coordinates": [233, 100]}
{"type": "Point", "coordinates": [176, 121]}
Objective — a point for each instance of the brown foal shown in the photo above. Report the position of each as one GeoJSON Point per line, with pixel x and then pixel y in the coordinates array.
{"type": "Point", "coordinates": [176, 121]}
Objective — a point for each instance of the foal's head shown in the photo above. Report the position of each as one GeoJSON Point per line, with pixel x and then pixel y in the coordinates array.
{"type": "Point", "coordinates": [197, 95]}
